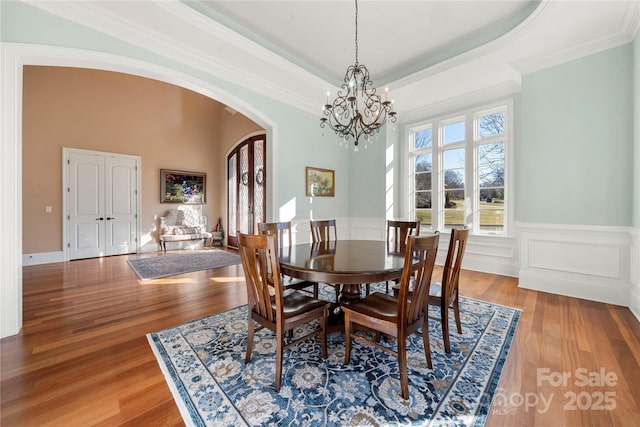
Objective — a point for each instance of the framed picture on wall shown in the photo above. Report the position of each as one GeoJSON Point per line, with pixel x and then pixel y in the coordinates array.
{"type": "Point", "coordinates": [182, 187]}
{"type": "Point", "coordinates": [320, 182]}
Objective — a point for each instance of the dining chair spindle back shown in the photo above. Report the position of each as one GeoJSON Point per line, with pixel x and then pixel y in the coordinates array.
{"type": "Point", "coordinates": [445, 294]}
{"type": "Point", "coordinates": [268, 303]}
{"type": "Point", "coordinates": [397, 232]}
{"type": "Point", "coordinates": [282, 231]}
{"type": "Point", "coordinates": [322, 230]}
{"type": "Point", "coordinates": [398, 316]}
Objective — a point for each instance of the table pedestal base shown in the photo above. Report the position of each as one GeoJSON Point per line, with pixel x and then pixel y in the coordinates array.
{"type": "Point", "coordinates": [350, 294]}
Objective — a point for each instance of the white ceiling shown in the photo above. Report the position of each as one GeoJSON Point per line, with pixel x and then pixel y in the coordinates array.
{"type": "Point", "coordinates": [395, 38]}
{"type": "Point", "coordinates": [433, 55]}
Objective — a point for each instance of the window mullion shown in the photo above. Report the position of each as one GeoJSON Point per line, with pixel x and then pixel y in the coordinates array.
{"type": "Point", "coordinates": [435, 179]}
{"type": "Point", "coordinates": [470, 182]}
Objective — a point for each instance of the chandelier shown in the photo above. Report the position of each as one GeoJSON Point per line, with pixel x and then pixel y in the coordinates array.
{"type": "Point", "coordinates": [358, 111]}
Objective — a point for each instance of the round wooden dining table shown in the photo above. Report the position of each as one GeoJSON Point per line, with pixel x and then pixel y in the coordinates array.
{"type": "Point", "coordinates": [349, 263]}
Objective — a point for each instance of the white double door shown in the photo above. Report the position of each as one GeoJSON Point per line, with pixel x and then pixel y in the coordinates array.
{"type": "Point", "coordinates": [102, 204]}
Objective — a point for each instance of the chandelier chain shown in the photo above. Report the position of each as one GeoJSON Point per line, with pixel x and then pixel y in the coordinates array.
{"type": "Point", "coordinates": [356, 32]}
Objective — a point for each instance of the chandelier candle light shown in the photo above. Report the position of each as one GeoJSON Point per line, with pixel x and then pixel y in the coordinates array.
{"type": "Point", "coordinates": [360, 111]}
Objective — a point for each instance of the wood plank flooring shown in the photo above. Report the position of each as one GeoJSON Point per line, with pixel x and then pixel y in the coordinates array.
{"type": "Point", "coordinates": [82, 357]}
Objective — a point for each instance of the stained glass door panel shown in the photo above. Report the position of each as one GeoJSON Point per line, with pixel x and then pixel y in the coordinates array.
{"type": "Point", "coordinates": [246, 186]}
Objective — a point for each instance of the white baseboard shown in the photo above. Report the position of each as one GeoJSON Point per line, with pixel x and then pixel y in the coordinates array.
{"type": "Point", "coordinates": [634, 302]}
{"type": "Point", "coordinates": [575, 287]}
{"type": "Point", "coordinates": [589, 262]}
{"type": "Point", "coordinates": [42, 258]}
{"type": "Point", "coordinates": [488, 265]}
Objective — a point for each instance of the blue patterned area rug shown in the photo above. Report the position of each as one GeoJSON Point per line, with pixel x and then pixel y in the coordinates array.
{"type": "Point", "coordinates": [203, 362]}
{"type": "Point", "coordinates": [154, 267]}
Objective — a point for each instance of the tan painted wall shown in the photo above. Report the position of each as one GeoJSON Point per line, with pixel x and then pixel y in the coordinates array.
{"type": "Point", "coordinates": [167, 126]}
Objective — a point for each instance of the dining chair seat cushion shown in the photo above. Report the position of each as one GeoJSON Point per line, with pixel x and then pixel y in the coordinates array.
{"type": "Point", "coordinates": [296, 303]}
{"type": "Point", "coordinates": [378, 305]}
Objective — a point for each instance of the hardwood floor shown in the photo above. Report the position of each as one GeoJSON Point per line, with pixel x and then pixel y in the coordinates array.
{"type": "Point", "coordinates": [82, 357]}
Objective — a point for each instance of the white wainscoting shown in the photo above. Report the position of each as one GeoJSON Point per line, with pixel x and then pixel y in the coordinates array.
{"type": "Point", "coordinates": [301, 231]}
{"type": "Point", "coordinates": [589, 262]}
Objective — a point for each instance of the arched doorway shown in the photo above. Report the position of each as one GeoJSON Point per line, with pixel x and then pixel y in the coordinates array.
{"type": "Point", "coordinates": [246, 187]}
{"type": "Point", "coordinates": [14, 57]}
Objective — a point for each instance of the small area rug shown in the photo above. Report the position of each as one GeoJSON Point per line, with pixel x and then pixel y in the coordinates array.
{"type": "Point", "coordinates": [173, 264]}
{"type": "Point", "coordinates": [203, 363]}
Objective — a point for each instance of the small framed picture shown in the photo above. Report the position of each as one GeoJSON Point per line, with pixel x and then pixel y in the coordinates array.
{"type": "Point", "coordinates": [182, 187]}
{"type": "Point", "coordinates": [320, 182]}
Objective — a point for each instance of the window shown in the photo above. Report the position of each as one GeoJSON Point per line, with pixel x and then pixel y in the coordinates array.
{"type": "Point", "coordinates": [458, 168]}
{"type": "Point", "coordinates": [490, 143]}
{"type": "Point", "coordinates": [423, 170]}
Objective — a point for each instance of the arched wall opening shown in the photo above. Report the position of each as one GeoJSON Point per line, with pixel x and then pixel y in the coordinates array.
{"type": "Point", "coordinates": [14, 58]}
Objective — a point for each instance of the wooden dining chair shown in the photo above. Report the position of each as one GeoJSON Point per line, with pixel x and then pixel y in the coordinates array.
{"type": "Point", "coordinates": [322, 230]}
{"type": "Point", "coordinates": [398, 316]}
{"type": "Point", "coordinates": [269, 304]}
{"type": "Point", "coordinates": [450, 279]}
{"type": "Point", "coordinates": [397, 232]}
{"type": "Point", "coordinates": [282, 231]}
{"type": "Point", "coordinates": [445, 294]}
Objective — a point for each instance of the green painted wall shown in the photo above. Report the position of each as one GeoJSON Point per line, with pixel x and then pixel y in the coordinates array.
{"type": "Point", "coordinates": [367, 178]}
{"type": "Point", "coordinates": [299, 140]}
{"type": "Point", "coordinates": [576, 156]}
{"type": "Point", "coordinates": [574, 161]}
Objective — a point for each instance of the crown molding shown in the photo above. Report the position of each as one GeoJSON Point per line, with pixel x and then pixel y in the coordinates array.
{"type": "Point", "coordinates": [631, 23]}
{"type": "Point", "coordinates": [285, 81]}
{"type": "Point", "coordinates": [618, 36]}
{"type": "Point", "coordinates": [531, 21]}
{"type": "Point", "coordinates": [180, 33]}
{"type": "Point", "coordinates": [533, 64]}
{"type": "Point", "coordinates": [220, 32]}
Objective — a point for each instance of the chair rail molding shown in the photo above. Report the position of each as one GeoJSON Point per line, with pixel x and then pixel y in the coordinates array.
{"type": "Point", "coordinates": [582, 261]}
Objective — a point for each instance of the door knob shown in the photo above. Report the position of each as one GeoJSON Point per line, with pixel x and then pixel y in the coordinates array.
{"type": "Point", "coordinates": [110, 218]}
{"type": "Point", "coordinates": [100, 219]}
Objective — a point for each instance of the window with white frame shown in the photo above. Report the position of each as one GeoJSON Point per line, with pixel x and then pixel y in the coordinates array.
{"type": "Point", "coordinates": [459, 170]}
